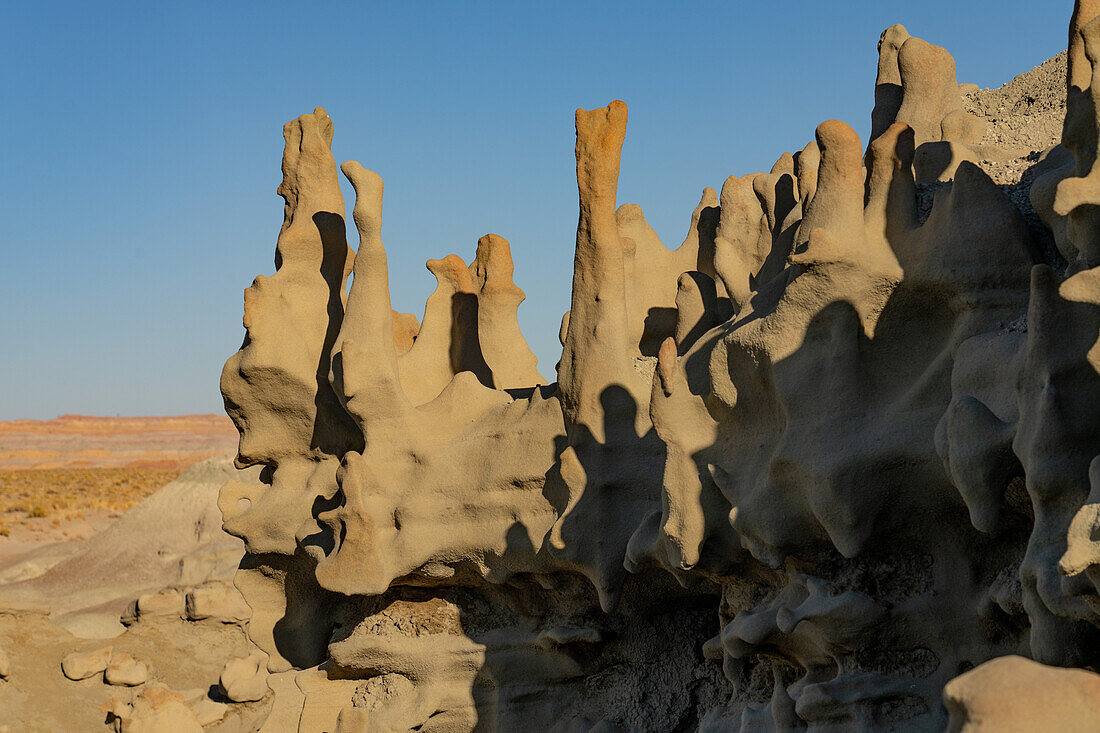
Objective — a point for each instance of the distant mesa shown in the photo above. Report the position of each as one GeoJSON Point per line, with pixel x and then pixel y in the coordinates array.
{"type": "Point", "coordinates": [82, 441]}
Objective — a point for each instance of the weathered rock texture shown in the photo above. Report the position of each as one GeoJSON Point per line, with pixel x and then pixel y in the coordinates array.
{"type": "Point", "coordinates": [830, 453]}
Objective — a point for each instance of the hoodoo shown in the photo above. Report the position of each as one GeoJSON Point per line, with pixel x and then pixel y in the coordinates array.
{"type": "Point", "coordinates": [814, 468]}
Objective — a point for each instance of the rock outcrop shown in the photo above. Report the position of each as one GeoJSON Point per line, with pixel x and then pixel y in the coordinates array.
{"type": "Point", "coordinates": [155, 709]}
{"type": "Point", "coordinates": [1012, 694]}
{"type": "Point", "coordinates": [838, 448]}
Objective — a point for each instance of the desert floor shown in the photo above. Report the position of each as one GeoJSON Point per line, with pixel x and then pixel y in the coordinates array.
{"type": "Point", "coordinates": [112, 557]}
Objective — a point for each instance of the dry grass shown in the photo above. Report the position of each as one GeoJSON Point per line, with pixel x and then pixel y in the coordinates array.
{"type": "Point", "coordinates": [66, 493]}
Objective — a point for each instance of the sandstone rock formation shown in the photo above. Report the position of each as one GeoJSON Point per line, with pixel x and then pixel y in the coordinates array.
{"type": "Point", "coordinates": [155, 709]}
{"type": "Point", "coordinates": [1016, 694]}
{"type": "Point", "coordinates": [838, 448]}
{"type": "Point", "coordinates": [245, 680]}
{"type": "Point", "coordinates": [125, 671]}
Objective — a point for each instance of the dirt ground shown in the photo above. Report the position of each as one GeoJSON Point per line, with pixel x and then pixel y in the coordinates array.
{"type": "Point", "coordinates": [70, 477]}
{"type": "Point", "coordinates": [52, 505]}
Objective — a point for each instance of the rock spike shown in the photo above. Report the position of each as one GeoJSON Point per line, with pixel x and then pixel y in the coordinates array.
{"type": "Point", "coordinates": [367, 371]}
{"type": "Point", "coordinates": [595, 343]}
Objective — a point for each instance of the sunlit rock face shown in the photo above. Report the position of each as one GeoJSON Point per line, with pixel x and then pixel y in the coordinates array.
{"type": "Point", "coordinates": [836, 449]}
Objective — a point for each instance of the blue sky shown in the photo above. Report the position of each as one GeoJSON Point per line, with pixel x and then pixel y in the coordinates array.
{"type": "Point", "coordinates": [142, 141]}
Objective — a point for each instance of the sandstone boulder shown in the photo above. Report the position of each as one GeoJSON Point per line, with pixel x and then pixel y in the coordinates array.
{"type": "Point", "coordinates": [217, 602]}
{"type": "Point", "coordinates": [82, 665]}
{"type": "Point", "coordinates": [165, 603]}
{"type": "Point", "coordinates": [1016, 695]}
{"type": "Point", "coordinates": [245, 680]}
{"type": "Point", "coordinates": [123, 670]}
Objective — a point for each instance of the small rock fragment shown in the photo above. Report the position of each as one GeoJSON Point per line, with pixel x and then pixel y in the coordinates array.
{"type": "Point", "coordinates": [5, 666]}
{"type": "Point", "coordinates": [217, 601]}
{"type": "Point", "coordinates": [82, 665]}
{"type": "Point", "coordinates": [126, 671]}
{"type": "Point", "coordinates": [166, 603]}
{"type": "Point", "coordinates": [245, 680]}
{"type": "Point", "coordinates": [156, 709]}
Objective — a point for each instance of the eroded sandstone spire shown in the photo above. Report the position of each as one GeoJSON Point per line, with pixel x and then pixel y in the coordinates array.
{"type": "Point", "coordinates": [802, 471]}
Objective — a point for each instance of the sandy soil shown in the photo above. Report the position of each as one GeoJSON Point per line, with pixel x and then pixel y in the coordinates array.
{"type": "Point", "coordinates": [80, 595]}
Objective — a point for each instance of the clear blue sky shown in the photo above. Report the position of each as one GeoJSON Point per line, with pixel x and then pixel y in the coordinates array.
{"type": "Point", "coordinates": [142, 141]}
